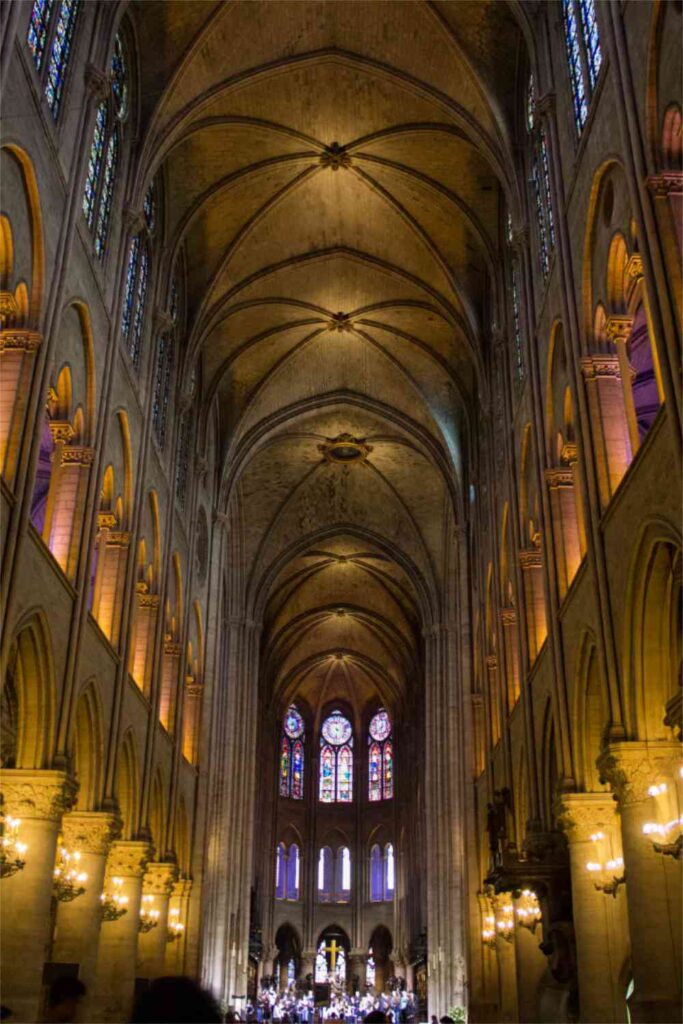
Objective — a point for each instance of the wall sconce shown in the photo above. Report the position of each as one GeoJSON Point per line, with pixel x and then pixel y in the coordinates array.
{"type": "Point", "coordinates": [505, 921]}
{"type": "Point", "coordinates": [67, 884]}
{"type": "Point", "coordinates": [114, 904]}
{"type": "Point", "coordinates": [149, 916]}
{"type": "Point", "coordinates": [488, 932]}
{"type": "Point", "coordinates": [666, 834]}
{"type": "Point", "coordinates": [608, 873]}
{"type": "Point", "coordinates": [529, 910]}
{"type": "Point", "coordinates": [175, 926]}
{"type": "Point", "coordinates": [12, 850]}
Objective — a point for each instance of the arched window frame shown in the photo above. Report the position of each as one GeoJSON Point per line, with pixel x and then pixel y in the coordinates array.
{"type": "Point", "coordinates": [380, 757]}
{"type": "Point", "coordinates": [515, 308]}
{"type": "Point", "coordinates": [292, 755]}
{"type": "Point", "coordinates": [389, 872]}
{"type": "Point", "coordinates": [540, 180]}
{"type": "Point", "coordinates": [105, 148]}
{"type": "Point", "coordinates": [325, 875]}
{"type": "Point", "coordinates": [163, 379]}
{"type": "Point", "coordinates": [137, 280]}
{"type": "Point", "coordinates": [376, 874]}
{"type": "Point", "coordinates": [584, 54]}
{"type": "Point", "coordinates": [335, 775]}
{"type": "Point", "coordinates": [343, 875]}
{"type": "Point", "coordinates": [280, 871]}
{"type": "Point", "coordinates": [50, 39]}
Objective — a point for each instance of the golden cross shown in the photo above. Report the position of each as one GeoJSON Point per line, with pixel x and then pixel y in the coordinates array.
{"type": "Point", "coordinates": [334, 950]}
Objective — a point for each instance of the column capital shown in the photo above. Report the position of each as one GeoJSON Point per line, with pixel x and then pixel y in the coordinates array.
{"type": "Point", "coordinates": [133, 220]}
{"type": "Point", "coordinates": [665, 184]}
{"type": "Point", "coordinates": [618, 328]}
{"type": "Point", "coordinates": [19, 338]}
{"type": "Point", "coordinates": [160, 878]}
{"type": "Point", "coordinates": [37, 793]}
{"type": "Point", "coordinates": [106, 520]}
{"type": "Point", "coordinates": [90, 831]}
{"type": "Point", "coordinates": [570, 453]}
{"type": "Point", "coordinates": [530, 558]}
{"type": "Point", "coordinates": [631, 768]}
{"type": "Point", "coordinates": [61, 430]}
{"type": "Point", "coordinates": [581, 815]}
{"type": "Point", "coordinates": [128, 858]}
{"type": "Point", "coordinates": [182, 887]}
{"type": "Point", "coordinates": [119, 538]}
{"type": "Point", "coordinates": [508, 616]}
{"type": "Point", "coordinates": [78, 455]}
{"type": "Point", "coordinates": [600, 365]}
{"type": "Point", "coordinates": [559, 476]}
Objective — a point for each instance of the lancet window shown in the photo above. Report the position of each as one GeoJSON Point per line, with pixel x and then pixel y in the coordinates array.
{"type": "Point", "coordinates": [287, 872]}
{"type": "Point", "coordinates": [51, 30]}
{"type": "Point", "coordinates": [584, 54]}
{"type": "Point", "coordinates": [135, 294]}
{"type": "Point", "coordinates": [163, 377]}
{"type": "Point", "coordinates": [104, 150]}
{"type": "Point", "coordinates": [380, 758]}
{"type": "Point", "coordinates": [334, 875]}
{"type": "Point", "coordinates": [382, 873]}
{"type": "Point", "coordinates": [291, 774]}
{"type": "Point", "coordinates": [540, 181]}
{"type": "Point", "coordinates": [336, 760]}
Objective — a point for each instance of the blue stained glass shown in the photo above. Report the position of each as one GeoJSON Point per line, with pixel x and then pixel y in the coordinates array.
{"type": "Point", "coordinates": [119, 79]}
{"type": "Point", "coordinates": [107, 195]}
{"type": "Point", "coordinates": [540, 218]}
{"type": "Point", "coordinates": [530, 104]}
{"type": "Point", "coordinates": [140, 307]}
{"type": "Point", "coordinates": [591, 38]}
{"type": "Point", "coordinates": [336, 728]}
{"type": "Point", "coordinates": [345, 775]}
{"type": "Point", "coordinates": [166, 395]}
{"type": "Point", "coordinates": [162, 387]}
{"type": "Point", "coordinates": [183, 459]}
{"type": "Point", "coordinates": [574, 58]}
{"type": "Point", "coordinates": [546, 188]}
{"type": "Point", "coordinates": [294, 723]}
{"type": "Point", "coordinates": [38, 26]}
{"type": "Point", "coordinates": [174, 299]}
{"type": "Point", "coordinates": [517, 327]}
{"type": "Point", "coordinates": [94, 164]}
{"type": "Point", "coordinates": [131, 275]}
{"type": "Point", "coordinates": [149, 207]}
{"type": "Point", "coordinates": [328, 773]}
{"type": "Point", "coordinates": [380, 726]}
{"type": "Point", "coordinates": [298, 770]}
{"type": "Point", "coordinates": [59, 54]}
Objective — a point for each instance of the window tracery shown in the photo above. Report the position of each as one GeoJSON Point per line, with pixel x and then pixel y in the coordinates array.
{"type": "Point", "coordinates": [162, 387]}
{"type": "Point", "coordinates": [291, 773]}
{"type": "Point", "coordinates": [381, 758]}
{"type": "Point", "coordinates": [135, 294]}
{"type": "Point", "coordinates": [47, 33]}
{"type": "Point", "coordinates": [336, 760]}
{"type": "Point", "coordinates": [540, 180]}
{"type": "Point", "coordinates": [584, 54]}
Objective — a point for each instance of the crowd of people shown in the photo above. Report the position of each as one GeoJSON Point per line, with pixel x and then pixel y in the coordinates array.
{"type": "Point", "coordinates": [295, 1007]}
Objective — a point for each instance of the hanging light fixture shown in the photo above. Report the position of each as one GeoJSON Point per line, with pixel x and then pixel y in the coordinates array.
{"type": "Point", "coordinates": [175, 925]}
{"type": "Point", "coordinates": [528, 910]}
{"type": "Point", "coordinates": [488, 932]}
{"type": "Point", "coordinates": [505, 919]}
{"type": "Point", "coordinates": [114, 903]}
{"type": "Point", "coordinates": [68, 881]}
{"type": "Point", "coordinates": [12, 850]}
{"type": "Point", "coordinates": [666, 833]}
{"type": "Point", "coordinates": [607, 872]}
{"type": "Point", "coordinates": [149, 915]}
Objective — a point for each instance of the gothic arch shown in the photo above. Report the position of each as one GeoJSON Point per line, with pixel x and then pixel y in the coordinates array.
{"type": "Point", "coordinates": [128, 785]}
{"type": "Point", "coordinates": [87, 744]}
{"type": "Point", "coordinates": [31, 668]}
{"type": "Point", "coordinates": [591, 716]}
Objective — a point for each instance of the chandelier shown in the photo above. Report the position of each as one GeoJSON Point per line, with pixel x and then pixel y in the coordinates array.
{"type": "Point", "coordinates": [505, 919]}
{"type": "Point", "coordinates": [12, 850]}
{"type": "Point", "coordinates": [175, 926]}
{"type": "Point", "coordinates": [114, 903]}
{"type": "Point", "coordinates": [149, 915]}
{"type": "Point", "coordinates": [528, 910]}
{"type": "Point", "coordinates": [68, 881]}
{"type": "Point", "coordinates": [607, 872]}
{"type": "Point", "coordinates": [666, 833]}
{"type": "Point", "coordinates": [488, 932]}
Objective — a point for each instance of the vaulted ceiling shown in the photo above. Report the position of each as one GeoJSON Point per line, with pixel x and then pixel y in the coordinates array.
{"type": "Point", "coordinates": [334, 175]}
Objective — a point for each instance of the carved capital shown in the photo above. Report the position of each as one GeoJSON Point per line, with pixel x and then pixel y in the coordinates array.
{"type": "Point", "coordinates": [631, 768]}
{"type": "Point", "coordinates": [106, 520]}
{"type": "Point", "coordinates": [508, 616]}
{"type": "Point", "coordinates": [492, 662]}
{"type": "Point", "coordinates": [20, 339]}
{"type": "Point", "coordinates": [618, 328]}
{"type": "Point", "coordinates": [119, 539]}
{"type": "Point", "coordinates": [570, 453]}
{"type": "Point", "coordinates": [61, 430]}
{"type": "Point", "coordinates": [530, 558]}
{"type": "Point", "coordinates": [90, 831]}
{"type": "Point", "coordinates": [8, 305]}
{"type": "Point", "coordinates": [600, 366]}
{"type": "Point", "coordinates": [665, 184]}
{"type": "Point", "coordinates": [159, 879]}
{"type": "Point", "coordinates": [634, 267]}
{"type": "Point", "coordinates": [128, 858]}
{"type": "Point", "coordinates": [148, 600]}
{"type": "Point", "coordinates": [45, 795]}
{"type": "Point", "coordinates": [96, 83]}
{"type": "Point", "coordinates": [581, 815]}
{"type": "Point", "coordinates": [78, 455]}
{"type": "Point", "coordinates": [520, 240]}
{"type": "Point", "coordinates": [559, 476]}
{"type": "Point", "coordinates": [182, 888]}
{"type": "Point", "coordinates": [193, 688]}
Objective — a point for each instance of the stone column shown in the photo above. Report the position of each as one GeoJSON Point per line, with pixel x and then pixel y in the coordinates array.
{"type": "Point", "coordinates": [508, 617]}
{"type": "Point", "coordinates": [565, 525]}
{"type": "Point", "coordinates": [170, 671]}
{"type": "Point", "coordinates": [112, 555]}
{"type": "Point", "coordinates": [357, 963]}
{"type": "Point", "coordinates": [174, 960]}
{"type": "Point", "coordinates": [38, 799]}
{"type": "Point", "coordinates": [77, 931]}
{"type": "Point", "coordinates": [17, 354]}
{"type": "Point", "coordinates": [505, 950]}
{"type": "Point", "coordinates": [600, 922]}
{"type": "Point", "coordinates": [142, 648]}
{"type": "Point", "coordinates": [607, 411]}
{"type": "Point", "coordinates": [531, 562]}
{"type": "Point", "coordinates": [653, 879]}
{"type": "Point", "coordinates": [531, 965]}
{"type": "Point", "coordinates": [69, 506]}
{"type": "Point", "coordinates": [307, 963]}
{"type": "Point", "coordinates": [157, 882]}
{"type": "Point", "coordinates": [117, 952]}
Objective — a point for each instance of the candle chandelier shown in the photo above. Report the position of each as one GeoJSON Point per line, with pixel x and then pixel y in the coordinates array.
{"type": "Point", "coordinates": [68, 882]}
{"type": "Point", "coordinates": [12, 850]}
{"type": "Point", "coordinates": [114, 903]}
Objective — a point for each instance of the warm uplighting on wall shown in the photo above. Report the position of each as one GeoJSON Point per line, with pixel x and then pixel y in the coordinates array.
{"type": "Point", "coordinates": [114, 903]}
{"type": "Point", "coordinates": [528, 910]}
{"type": "Point", "coordinates": [666, 833]}
{"type": "Point", "coordinates": [488, 932]}
{"type": "Point", "coordinates": [505, 920]}
{"type": "Point", "coordinates": [12, 850]}
{"type": "Point", "coordinates": [68, 883]}
{"type": "Point", "coordinates": [607, 872]}
{"type": "Point", "coordinates": [175, 926]}
{"type": "Point", "coordinates": [149, 915]}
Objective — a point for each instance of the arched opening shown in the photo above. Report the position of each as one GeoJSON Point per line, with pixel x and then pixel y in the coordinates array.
{"type": "Point", "coordinates": [381, 945]}
{"type": "Point", "coordinates": [332, 956]}
{"type": "Point", "coordinates": [288, 960]}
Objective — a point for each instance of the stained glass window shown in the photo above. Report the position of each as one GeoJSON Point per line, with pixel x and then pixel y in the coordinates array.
{"type": "Point", "coordinates": [291, 972]}
{"type": "Point", "coordinates": [531, 104]}
{"type": "Point", "coordinates": [100, 181]}
{"type": "Point", "coordinates": [321, 963]}
{"type": "Point", "coordinates": [138, 323]}
{"type": "Point", "coordinates": [389, 872]}
{"type": "Point", "coordinates": [517, 327]}
{"type": "Point", "coordinates": [540, 182]}
{"type": "Point", "coordinates": [38, 27]}
{"type": "Point", "coordinates": [540, 216]}
{"type": "Point", "coordinates": [292, 889]}
{"type": "Point", "coordinates": [162, 387]}
{"type": "Point", "coordinates": [325, 874]}
{"type": "Point", "coordinates": [59, 54]}
{"type": "Point", "coordinates": [546, 188]}
{"type": "Point", "coordinates": [584, 53]}
{"type": "Point", "coordinates": [380, 758]}
{"type": "Point", "coordinates": [149, 206]}
{"type": "Point", "coordinates": [336, 760]}
{"type": "Point", "coordinates": [292, 755]}
{"type": "Point", "coordinates": [376, 881]}
{"type": "Point", "coordinates": [370, 968]}
{"type": "Point", "coordinates": [280, 871]}
{"type": "Point", "coordinates": [129, 293]}
{"type": "Point", "coordinates": [183, 458]}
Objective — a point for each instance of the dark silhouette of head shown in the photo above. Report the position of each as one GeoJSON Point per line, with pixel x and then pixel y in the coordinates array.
{"type": "Point", "coordinates": [63, 998]}
{"type": "Point", "coordinates": [175, 1000]}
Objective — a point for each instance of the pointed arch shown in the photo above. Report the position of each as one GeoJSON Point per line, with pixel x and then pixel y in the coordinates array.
{"type": "Point", "coordinates": [30, 675]}
{"type": "Point", "coordinates": [87, 746]}
{"type": "Point", "coordinates": [128, 785]}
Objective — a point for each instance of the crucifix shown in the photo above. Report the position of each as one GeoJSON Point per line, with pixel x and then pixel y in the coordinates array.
{"type": "Point", "coordinates": [334, 950]}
